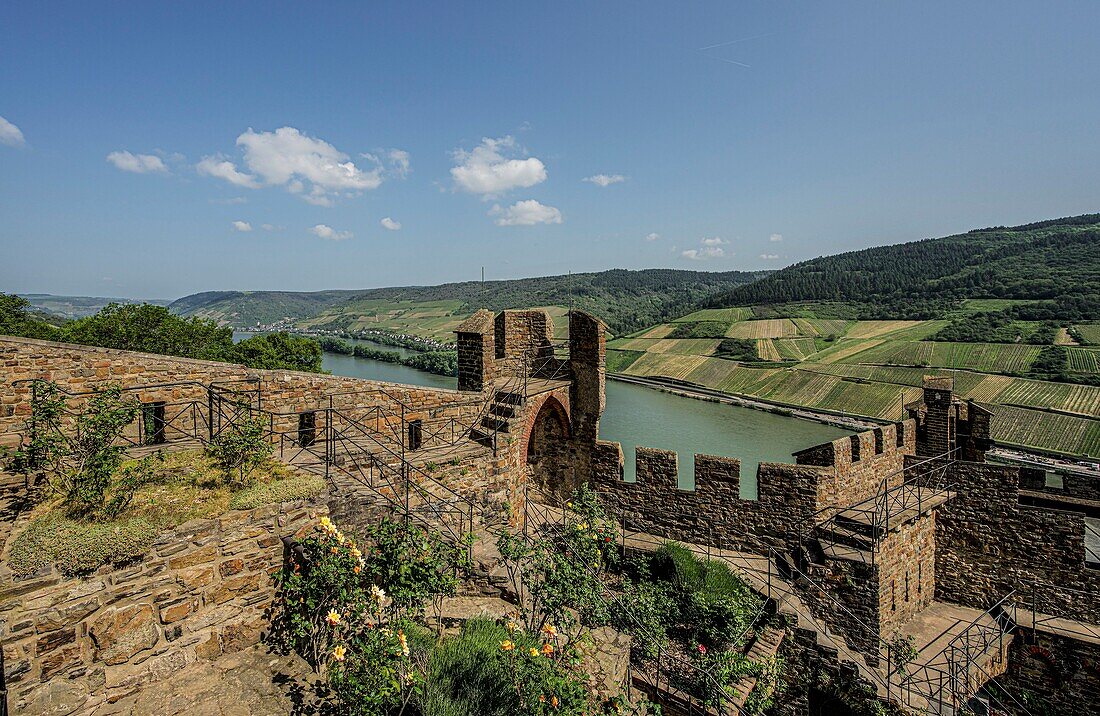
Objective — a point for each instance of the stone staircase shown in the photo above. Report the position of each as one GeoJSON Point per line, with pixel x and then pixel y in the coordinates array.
{"type": "Point", "coordinates": [504, 407]}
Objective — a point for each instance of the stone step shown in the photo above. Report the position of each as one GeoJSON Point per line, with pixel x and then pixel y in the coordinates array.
{"type": "Point", "coordinates": [510, 397]}
{"type": "Point", "coordinates": [483, 436]}
{"type": "Point", "coordinates": [504, 410]}
{"type": "Point", "coordinates": [845, 552]}
{"type": "Point", "coordinates": [491, 422]}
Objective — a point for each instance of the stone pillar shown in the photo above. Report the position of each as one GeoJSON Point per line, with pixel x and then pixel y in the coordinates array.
{"type": "Point", "coordinates": [523, 333]}
{"type": "Point", "coordinates": [936, 429]}
{"type": "Point", "coordinates": [476, 362]}
{"type": "Point", "coordinates": [587, 358]}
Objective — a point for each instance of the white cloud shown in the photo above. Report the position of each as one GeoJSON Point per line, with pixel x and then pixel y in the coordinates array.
{"type": "Point", "coordinates": [775, 238]}
{"type": "Point", "coordinates": [286, 157]}
{"type": "Point", "coordinates": [488, 170]}
{"type": "Point", "coordinates": [605, 179]}
{"type": "Point", "coordinates": [271, 227]}
{"type": "Point", "coordinates": [10, 134]}
{"type": "Point", "coordinates": [652, 236]}
{"type": "Point", "coordinates": [137, 163]}
{"type": "Point", "coordinates": [769, 257]}
{"type": "Point", "coordinates": [388, 223]}
{"type": "Point", "coordinates": [242, 226]}
{"type": "Point", "coordinates": [222, 168]}
{"type": "Point", "coordinates": [327, 232]}
{"type": "Point", "coordinates": [399, 161]}
{"type": "Point", "coordinates": [231, 201]}
{"type": "Point", "coordinates": [526, 213]}
{"type": "Point", "coordinates": [710, 249]}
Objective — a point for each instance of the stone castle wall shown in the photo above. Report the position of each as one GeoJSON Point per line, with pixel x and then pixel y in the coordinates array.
{"type": "Point", "coordinates": [80, 369]}
{"type": "Point", "coordinates": [988, 544]}
{"type": "Point", "coordinates": [73, 644]}
{"type": "Point", "coordinates": [831, 475]}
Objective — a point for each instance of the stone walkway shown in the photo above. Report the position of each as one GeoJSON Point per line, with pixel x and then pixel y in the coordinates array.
{"type": "Point", "coordinates": [243, 683]}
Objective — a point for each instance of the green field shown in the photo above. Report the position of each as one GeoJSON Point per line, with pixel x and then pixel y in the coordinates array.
{"type": "Point", "coordinates": [1089, 332]}
{"type": "Point", "coordinates": [872, 368]}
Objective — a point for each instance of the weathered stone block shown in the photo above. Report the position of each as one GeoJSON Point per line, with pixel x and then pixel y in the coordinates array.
{"type": "Point", "coordinates": [121, 633]}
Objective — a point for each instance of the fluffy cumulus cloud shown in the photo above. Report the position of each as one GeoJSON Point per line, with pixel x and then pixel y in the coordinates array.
{"type": "Point", "coordinates": [708, 249]}
{"type": "Point", "coordinates": [653, 236]}
{"type": "Point", "coordinates": [526, 213]}
{"type": "Point", "coordinates": [242, 226]}
{"type": "Point", "coordinates": [10, 134]}
{"type": "Point", "coordinates": [137, 163]}
{"type": "Point", "coordinates": [769, 257]}
{"type": "Point", "coordinates": [492, 168]}
{"type": "Point", "coordinates": [221, 168]}
{"type": "Point", "coordinates": [775, 238]}
{"type": "Point", "coordinates": [388, 223]}
{"type": "Point", "coordinates": [605, 179]}
{"type": "Point", "coordinates": [327, 232]}
{"type": "Point", "coordinates": [309, 167]}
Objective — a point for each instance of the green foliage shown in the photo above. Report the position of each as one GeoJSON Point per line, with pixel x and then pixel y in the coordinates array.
{"type": "Point", "coordinates": [618, 361]}
{"type": "Point", "coordinates": [412, 563]}
{"type": "Point", "coordinates": [742, 349]}
{"type": "Point", "coordinates": [717, 606]}
{"type": "Point", "coordinates": [79, 547]}
{"type": "Point", "coordinates": [285, 490]}
{"type": "Point", "coordinates": [438, 362]}
{"type": "Point", "coordinates": [702, 329]}
{"type": "Point", "coordinates": [82, 459]}
{"type": "Point", "coordinates": [627, 300]}
{"type": "Point", "coordinates": [278, 351]}
{"type": "Point", "coordinates": [1057, 262]}
{"type": "Point", "coordinates": [16, 319]}
{"type": "Point", "coordinates": [646, 611]}
{"type": "Point", "coordinates": [995, 327]}
{"type": "Point", "coordinates": [239, 449]}
{"type": "Point", "coordinates": [563, 568]}
{"type": "Point", "coordinates": [150, 329]}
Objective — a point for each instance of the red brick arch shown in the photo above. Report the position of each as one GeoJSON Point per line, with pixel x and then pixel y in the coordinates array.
{"type": "Point", "coordinates": [552, 404]}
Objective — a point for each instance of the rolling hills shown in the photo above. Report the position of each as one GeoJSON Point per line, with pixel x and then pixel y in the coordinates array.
{"type": "Point", "coordinates": [626, 300]}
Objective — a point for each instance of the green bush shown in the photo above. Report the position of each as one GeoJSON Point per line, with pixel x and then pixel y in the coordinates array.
{"type": "Point", "coordinates": [239, 449]}
{"type": "Point", "coordinates": [701, 329]}
{"type": "Point", "coordinates": [76, 547]}
{"type": "Point", "coordinates": [285, 490]}
{"type": "Point", "coordinates": [646, 611]}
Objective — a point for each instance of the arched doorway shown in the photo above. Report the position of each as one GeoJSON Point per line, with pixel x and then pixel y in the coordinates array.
{"type": "Point", "coordinates": [548, 453]}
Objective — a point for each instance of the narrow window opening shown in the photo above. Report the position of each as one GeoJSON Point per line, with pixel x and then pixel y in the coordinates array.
{"type": "Point", "coordinates": [855, 448]}
{"type": "Point", "coordinates": [307, 428]}
{"type": "Point", "coordinates": [153, 422]}
{"type": "Point", "coordinates": [416, 434]}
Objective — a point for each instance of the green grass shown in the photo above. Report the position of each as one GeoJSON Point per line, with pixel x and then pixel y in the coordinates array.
{"type": "Point", "coordinates": [618, 361]}
{"type": "Point", "coordinates": [723, 315]}
{"type": "Point", "coordinates": [1089, 332]}
{"type": "Point", "coordinates": [183, 486]}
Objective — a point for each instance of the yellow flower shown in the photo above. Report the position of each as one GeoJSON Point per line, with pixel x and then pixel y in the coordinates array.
{"type": "Point", "coordinates": [533, 651]}
{"type": "Point", "coordinates": [547, 649]}
{"type": "Point", "coordinates": [507, 645]}
{"type": "Point", "coordinates": [554, 701]}
{"type": "Point", "coordinates": [338, 653]}
{"type": "Point", "coordinates": [333, 617]}
{"type": "Point", "coordinates": [404, 642]}
{"type": "Point", "coordinates": [549, 630]}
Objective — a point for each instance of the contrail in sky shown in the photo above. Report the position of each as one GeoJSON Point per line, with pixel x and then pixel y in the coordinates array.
{"type": "Point", "coordinates": [734, 42]}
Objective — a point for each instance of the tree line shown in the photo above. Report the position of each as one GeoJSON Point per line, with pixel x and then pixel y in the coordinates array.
{"type": "Point", "coordinates": [154, 329]}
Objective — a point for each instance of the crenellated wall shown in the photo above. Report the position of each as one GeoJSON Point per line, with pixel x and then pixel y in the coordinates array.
{"type": "Point", "coordinates": [831, 475]}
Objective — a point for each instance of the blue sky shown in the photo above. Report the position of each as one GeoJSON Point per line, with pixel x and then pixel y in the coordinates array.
{"type": "Point", "coordinates": [136, 134]}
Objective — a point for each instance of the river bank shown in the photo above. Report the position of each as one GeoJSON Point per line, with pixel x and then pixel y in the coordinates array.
{"type": "Point", "coordinates": [687, 390]}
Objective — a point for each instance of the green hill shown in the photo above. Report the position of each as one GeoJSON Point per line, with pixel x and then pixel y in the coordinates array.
{"type": "Point", "coordinates": [627, 300]}
{"type": "Point", "coordinates": [1055, 265]}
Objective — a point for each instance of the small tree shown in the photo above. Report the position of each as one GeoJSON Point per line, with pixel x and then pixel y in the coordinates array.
{"type": "Point", "coordinates": [239, 449]}
{"type": "Point", "coordinates": [81, 459]}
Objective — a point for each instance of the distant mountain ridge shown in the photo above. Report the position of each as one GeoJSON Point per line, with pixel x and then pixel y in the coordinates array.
{"type": "Point", "coordinates": [1056, 262]}
{"type": "Point", "coordinates": [625, 299]}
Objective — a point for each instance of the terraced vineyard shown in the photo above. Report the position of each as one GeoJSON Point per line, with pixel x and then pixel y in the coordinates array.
{"type": "Point", "coordinates": [872, 368]}
{"type": "Point", "coordinates": [1090, 332]}
{"type": "Point", "coordinates": [1083, 360]}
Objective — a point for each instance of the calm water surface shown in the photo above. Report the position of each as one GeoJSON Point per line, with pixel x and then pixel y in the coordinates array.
{"type": "Point", "coordinates": [642, 416]}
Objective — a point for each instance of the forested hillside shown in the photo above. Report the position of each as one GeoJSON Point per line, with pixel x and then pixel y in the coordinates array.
{"type": "Point", "coordinates": [1056, 262]}
{"type": "Point", "coordinates": [627, 300]}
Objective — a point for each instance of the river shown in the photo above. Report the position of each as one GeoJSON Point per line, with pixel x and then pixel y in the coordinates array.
{"type": "Point", "coordinates": [636, 415]}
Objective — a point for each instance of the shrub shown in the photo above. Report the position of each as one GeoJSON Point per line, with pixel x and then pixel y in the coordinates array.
{"type": "Point", "coordinates": [646, 611]}
{"type": "Point", "coordinates": [78, 547]}
{"type": "Point", "coordinates": [285, 490]}
{"type": "Point", "coordinates": [239, 449]}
